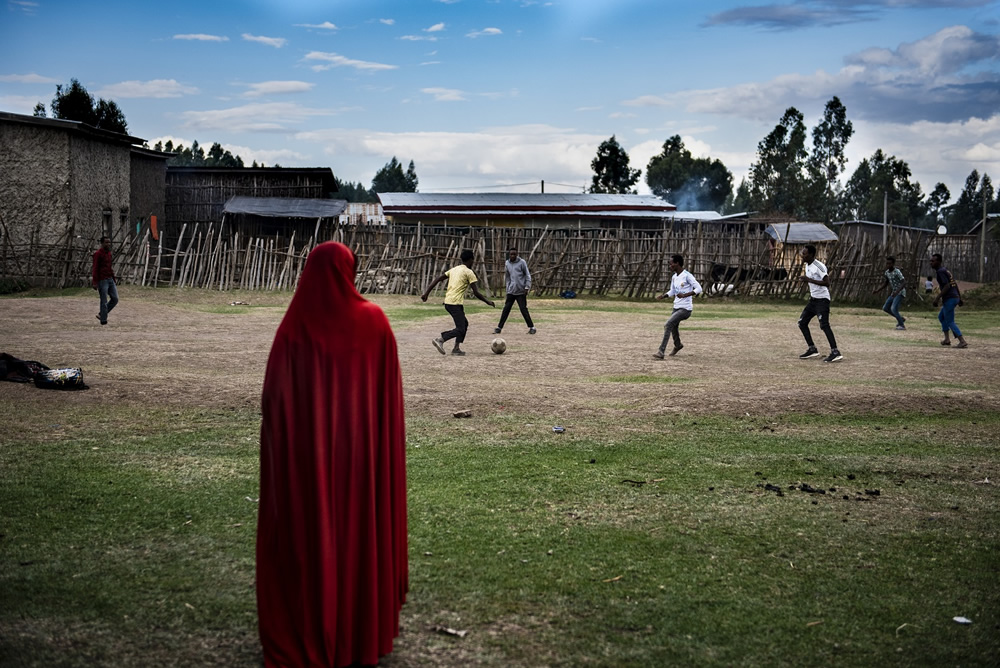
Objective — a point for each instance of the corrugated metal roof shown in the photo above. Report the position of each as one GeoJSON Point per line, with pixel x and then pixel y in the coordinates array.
{"type": "Point", "coordinates": [285, 207]}
{"type": "Point", "coordinates": [476, 203]}
{"type": "Point", "coordinates": [800, 233]}
{"type": "Point", "coordinates": [534, 213]}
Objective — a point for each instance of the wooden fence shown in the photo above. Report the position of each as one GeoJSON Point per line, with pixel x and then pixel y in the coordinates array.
{"type": "Point", "coordinates": [404, 259]}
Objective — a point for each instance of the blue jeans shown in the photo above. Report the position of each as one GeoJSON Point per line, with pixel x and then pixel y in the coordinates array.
{"type": "Point", "coordinates": [947, 316]}
{"type": "Point", "coordinates": [109, 297]}
{"type": "Point", "coordinates": [891, 306]}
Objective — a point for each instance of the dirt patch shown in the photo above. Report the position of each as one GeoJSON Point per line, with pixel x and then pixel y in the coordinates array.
{"type": "Point", "coordinates": [582, 363]}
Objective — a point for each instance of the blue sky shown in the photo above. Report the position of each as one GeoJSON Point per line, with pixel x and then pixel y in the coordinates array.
{"type": "Point", "coordinates": [482, 93]}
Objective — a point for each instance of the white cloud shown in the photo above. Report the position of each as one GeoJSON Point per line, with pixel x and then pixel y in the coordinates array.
{"type": "Point", "coordinates": [588, 108]}
{"type": "Point", "coordinates": [388, 22]}
{"type": "Point", "coordinates": [155, 88]}
{"type": "Point", "coordinates": [201, 37]}
{"type": "Point", "coordinates": [437, 27]}
{"type": "Point", "coordinates": [510, 154]}
{"type": "Point", "coordinates": [331, 60]}
{"type": "Point", "coordinates": [485, 31]}
{"type": "Point", "coordinates": [419, 38]}
{"type": "Point", "coordinates": [248, 154]}
{"type": "Point", "coordinates": [325, 25]}
{"type": "Point", "coordinates": [20, 104]}
{"type": "Point", "coordinates": [257, 117]}
{"type": "Point", "coordinates": [28, 78]}
{"type": "Point", "coordinates": [277, 88]}
{"type": "Point", "coordinates": [23, 6]}
{"type": "Point", "coordinates": [648, 101]}
{"type": "Point", "coordinates": [431, 62]}
{"type": "Point", "coordinates": [276, 42]}
{"type": "Point", "coordinates": [445, 94]}
{"type": "Point", "coordinates": [622, 114]}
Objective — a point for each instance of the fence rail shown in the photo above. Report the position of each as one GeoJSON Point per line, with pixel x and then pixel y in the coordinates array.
{"type": "Point", "coordinates": [403, 259]}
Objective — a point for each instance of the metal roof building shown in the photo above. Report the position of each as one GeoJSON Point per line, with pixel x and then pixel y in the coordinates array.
{"type": "Point", "coordinates": [525, 209]}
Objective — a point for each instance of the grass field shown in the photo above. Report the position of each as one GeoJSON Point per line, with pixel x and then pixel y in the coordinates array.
{"type": "Point", "coordinates": [671, 523]}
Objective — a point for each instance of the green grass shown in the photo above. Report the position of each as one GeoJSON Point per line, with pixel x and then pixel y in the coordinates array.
{"type": "Point", "coordinates": [128, 540]}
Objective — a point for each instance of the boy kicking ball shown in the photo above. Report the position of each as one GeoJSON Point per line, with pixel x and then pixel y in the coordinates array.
{"type": "Point", "coordinates": [460, 278]}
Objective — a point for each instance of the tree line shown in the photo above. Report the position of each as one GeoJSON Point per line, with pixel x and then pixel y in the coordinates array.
{"type": "Point", "coordinates": [787, 178]}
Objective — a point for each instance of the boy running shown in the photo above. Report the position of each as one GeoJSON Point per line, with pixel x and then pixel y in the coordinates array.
{"type": "Point", "coordinates": [818, 306]}
{"type": "Point", "coordinates": [897, 290]}
{"type": "Point", "coordinates": [683, 287]}
{"type": "Point", "coordinates": [460, 278]}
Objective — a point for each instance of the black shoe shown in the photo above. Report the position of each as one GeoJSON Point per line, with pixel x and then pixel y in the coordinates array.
{"type": "Point", "coordinates": [835, 356]}
{"type": "Point", "coordinates": [676, 349]}
{"type": "Point", "coordinates": [812, 352]}
{"type": "Point", "coordinates": [531, 330]}
{"type": "Point", "coordinates": [496, 331]}
{"type": "Point", "coordinates": [460, 353]}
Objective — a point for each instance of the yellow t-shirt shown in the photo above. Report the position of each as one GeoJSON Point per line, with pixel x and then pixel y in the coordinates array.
{"type": "Point", "coordinates": [459, 280]}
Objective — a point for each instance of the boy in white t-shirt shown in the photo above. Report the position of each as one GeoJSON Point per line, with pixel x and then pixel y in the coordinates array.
{"type": "Point", "coordinates": [819, 305]}
{"type": "Point", "coordinates": [683, 286]}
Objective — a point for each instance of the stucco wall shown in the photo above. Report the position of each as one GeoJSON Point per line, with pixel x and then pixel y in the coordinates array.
{"type": "Point", "coordinates": [148, 188]}
{"type": "Point", "coordinates": [99, 177]}
{"type": "Point", "coordinates": [35, 192]}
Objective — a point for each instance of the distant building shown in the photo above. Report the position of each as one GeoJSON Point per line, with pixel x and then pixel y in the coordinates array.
{"type": "Point", "coordinates": [198, 194]}
{"type": "Point", "coordinates": [63, 180]}
{"type": "Point", "coordinates": [525, 210]}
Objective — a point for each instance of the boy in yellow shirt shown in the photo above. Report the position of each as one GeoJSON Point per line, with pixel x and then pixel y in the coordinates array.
{"type": "Point", "coordinates": [460, 278]}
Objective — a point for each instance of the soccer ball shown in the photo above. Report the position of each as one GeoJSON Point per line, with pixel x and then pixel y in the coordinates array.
{"type": "Point", "coordinates": [498, 346]}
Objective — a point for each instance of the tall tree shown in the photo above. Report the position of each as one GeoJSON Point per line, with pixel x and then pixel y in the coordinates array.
{"type": "Point", "coordinates": [828, 160]}
{"type": "Point", "coordinates": [391, 179]}
{"type": "Point", "coordinates": [875, 177]}
{"type": "Point", "coordinates": [354, 192]}
{"type": "Point", "coordinates": [777, 179]}
{"type": "Point", "coordinates": [740, 201]}
{"type": "Point", "coordinates": [39, 110]}
{"type": "Point", "coordinates": [612, 173]}
{"type": "Point", "coordinates": [74, 103]}
{"type": "Point", "coordinates": [935, 203]}
{"type": "Point", "coordinates": [968, 209]}
{"type": "Point", "coordinates": [688, 182]}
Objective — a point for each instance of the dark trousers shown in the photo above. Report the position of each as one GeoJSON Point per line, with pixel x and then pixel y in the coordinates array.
{"type": "Point", "coordinates": [819, 308]}
{"type": "Point", "coordinates": [522, 303]}
{"type": "Point", "coordinates": [671, 328]}
{"type": "Point", "coordinates": [457, 312]}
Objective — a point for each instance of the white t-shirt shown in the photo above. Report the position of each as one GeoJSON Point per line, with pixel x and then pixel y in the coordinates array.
{"type": "Point", "coordinates": [817, 270]}
{"type": "Point", "coordinates": [683, 282]}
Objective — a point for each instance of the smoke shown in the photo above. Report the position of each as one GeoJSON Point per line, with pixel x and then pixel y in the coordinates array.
{"type": "Point", "coordinates": [691, 196]}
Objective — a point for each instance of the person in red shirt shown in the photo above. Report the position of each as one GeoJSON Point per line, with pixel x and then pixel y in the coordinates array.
{"type": "Point", "coordinates": [332, 570]}
{"type": "Point", "coordinates": [103, 279]}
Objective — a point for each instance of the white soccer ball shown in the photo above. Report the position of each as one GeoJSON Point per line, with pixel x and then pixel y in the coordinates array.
{"type": "Point", "coordinates": [498, 346]}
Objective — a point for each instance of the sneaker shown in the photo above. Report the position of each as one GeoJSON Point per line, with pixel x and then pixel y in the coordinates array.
{"type": "Point", "coordinates": [531, 330]}
{"type": "Point", "coordinates": [812, 352]}
{"type": "Point", "coordinates": [676, 349]}
{"type": "Point", "coordinates": [439, 344]}
{"type": "Point", "coordinates": [835, 356]}
{"type": "Point", "coordinates": [496, 331]}
{"type": "Point", "coordinates": [900, 327]}
{"type": "Point", "coordinates": [657, 355]}
{"type": "Point", "coordinates": [460, 353]}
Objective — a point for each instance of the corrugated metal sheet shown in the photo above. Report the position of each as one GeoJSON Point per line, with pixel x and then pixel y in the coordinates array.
{"type": "Point", "coordinates": [285, 207]}
{"type": "Point", "coordinates": [475, 203]}
{"type": "Point", "coordinates": [534, 213]}
{"type": "Point", "coordinates": [800, 233]}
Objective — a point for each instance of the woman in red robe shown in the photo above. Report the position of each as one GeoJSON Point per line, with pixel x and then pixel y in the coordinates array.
{"type": "Point", "coordinates": [332, 569]}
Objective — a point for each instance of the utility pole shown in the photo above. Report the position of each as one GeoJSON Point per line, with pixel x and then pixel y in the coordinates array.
{"type": "Point", "coordinates": [982, 241]}
{"type": "Point", "coordinates": [543, 186]}
{"type": "Point", "coordinates": [885, 220]}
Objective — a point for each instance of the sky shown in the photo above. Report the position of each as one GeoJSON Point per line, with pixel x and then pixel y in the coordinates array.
{"type": "Point", "coordinates": [500, 95]}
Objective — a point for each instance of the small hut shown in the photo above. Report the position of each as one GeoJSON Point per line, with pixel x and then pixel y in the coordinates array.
{"type": "Point", "coordinates": [281, 217]}
{"type": "Point", "coordinates": [788, 239]}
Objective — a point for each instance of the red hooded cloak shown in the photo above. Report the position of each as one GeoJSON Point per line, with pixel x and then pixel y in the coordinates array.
{"type": "Point", "coordinates": [332, 568]}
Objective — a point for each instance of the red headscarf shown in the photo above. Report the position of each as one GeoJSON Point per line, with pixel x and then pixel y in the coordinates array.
{"type": "Point", "coordinates": [332, 568]}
